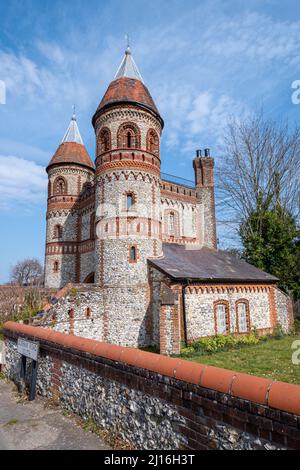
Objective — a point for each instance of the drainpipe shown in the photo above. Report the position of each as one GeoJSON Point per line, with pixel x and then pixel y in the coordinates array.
{"type": "Point", "coordinates": [184, 286]}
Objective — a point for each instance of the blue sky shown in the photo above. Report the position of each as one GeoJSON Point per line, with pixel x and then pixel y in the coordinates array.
{"type": "Point", "coordinates": [203, 61]}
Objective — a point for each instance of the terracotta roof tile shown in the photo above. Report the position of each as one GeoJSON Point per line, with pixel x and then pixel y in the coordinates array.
{"type": "Point", "coordinates": [130, 90]}
{"type": "Point", "coordinates": [71, 152]}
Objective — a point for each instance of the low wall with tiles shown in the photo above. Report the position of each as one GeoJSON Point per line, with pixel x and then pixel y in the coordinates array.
{"type": "Point", "coordinates": [157, 402]}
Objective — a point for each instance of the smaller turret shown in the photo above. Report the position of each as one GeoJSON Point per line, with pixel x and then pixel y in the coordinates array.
{"type": "Point", "coordinates": [70, 171]}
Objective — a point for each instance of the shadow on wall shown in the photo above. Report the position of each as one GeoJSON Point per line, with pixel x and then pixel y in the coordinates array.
{"type": "Point", "coordinates": [149, 327]}
{"type": "Point", "coordinates": [74, 234]}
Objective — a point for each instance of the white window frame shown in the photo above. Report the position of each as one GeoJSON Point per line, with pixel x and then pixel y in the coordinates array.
{"type": "Point", "coordinates": [221, 317]}
{"type": "Point", "coordinates": [242, 317]}
{"type": "Point", "coordinates": [171, 223]}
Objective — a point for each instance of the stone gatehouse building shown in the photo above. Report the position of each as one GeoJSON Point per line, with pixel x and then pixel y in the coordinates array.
{"type": "Point", "coordinates": [139, 252]}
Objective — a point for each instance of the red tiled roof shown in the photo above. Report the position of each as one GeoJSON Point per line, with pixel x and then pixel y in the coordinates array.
{"type": "Point", "coordinates": [130, 90]}
{"type": "Point", "coordinates": [71, 152]}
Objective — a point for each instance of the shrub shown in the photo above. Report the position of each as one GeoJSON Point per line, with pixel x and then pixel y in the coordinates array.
{"type": "Point", "coordinates": [297, 326]}
{"type": "Point", "coordinates": [222, 343]}
{"type": "Point", "coordinates": [278, 332]}
{"type": "Point", "coordinates": [73, 291]}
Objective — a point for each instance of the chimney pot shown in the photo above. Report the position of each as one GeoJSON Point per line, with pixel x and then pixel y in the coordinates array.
{"type": "Point", "coordinates": [198, 153]}
{"type": "Point", "coordinates": [207, 152]}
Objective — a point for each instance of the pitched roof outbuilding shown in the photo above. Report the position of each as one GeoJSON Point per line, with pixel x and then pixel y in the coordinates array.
{"type": "Point", "coordinates": [204, 264]}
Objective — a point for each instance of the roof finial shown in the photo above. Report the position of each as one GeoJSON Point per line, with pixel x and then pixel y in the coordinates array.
{"type": "Point", "coordinates": [74, 113]}
{"type": "Point", "coordinates": [128, 68]}
{"type": "Point", "coordinates": [73, 134]}
{"type": "Point", "coordinates": [127, 42]}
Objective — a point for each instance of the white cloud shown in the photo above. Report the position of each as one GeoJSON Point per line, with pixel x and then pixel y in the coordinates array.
{"type": "Point", "coordinates": [23, 183]}
{"type": "Point", "coordinates": [198, 74]}
{"type": "Point", "coordinates": [28, 152]}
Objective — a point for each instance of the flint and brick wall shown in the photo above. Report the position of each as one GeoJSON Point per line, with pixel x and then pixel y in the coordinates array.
{"type": "Point", "coordinates": [200, 308]}
{"type": "Point", "coordinates": [119, 315]}
{"type": "Point", "coordinates": [155, 402]}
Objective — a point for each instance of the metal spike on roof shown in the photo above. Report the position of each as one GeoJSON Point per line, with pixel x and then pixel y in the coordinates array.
{"type": "Point", "coordinates": [128, 67]}
{"type": "Point", "coordinates": [73, 134]}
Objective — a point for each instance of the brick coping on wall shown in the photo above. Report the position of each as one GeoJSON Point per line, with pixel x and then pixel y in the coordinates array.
{"type": "Point", "coordinates": [275, 394]}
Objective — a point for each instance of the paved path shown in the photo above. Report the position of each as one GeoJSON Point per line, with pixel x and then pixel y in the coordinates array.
{"type": "Point", "coordinates": [30, 425]}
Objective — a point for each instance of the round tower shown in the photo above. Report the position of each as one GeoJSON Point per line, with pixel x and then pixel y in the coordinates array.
{"type": "Point", "coordinates": [128, 127]}
{"type": "Point", "coordinates": [70, 171]}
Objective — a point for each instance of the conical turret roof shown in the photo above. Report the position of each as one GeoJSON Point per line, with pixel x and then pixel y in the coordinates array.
{"type": "Point", "coordinates": [73, 134]}
{"type": "Point", "coordinates": [127, 88]}
{"type": "Point", "coordinates": [72, 149]}
{"type": "Point", "coordinates": [128, 67]}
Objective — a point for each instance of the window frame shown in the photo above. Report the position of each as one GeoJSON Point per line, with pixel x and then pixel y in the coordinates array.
{"type": "Point", "coordinates": [131, 259]}
{"type": "Point", "coordinates": [227, 317]}
{"type": "Point", "coordinates": [55, 183]}
{"type": "Point", "coordinates": [247, 308]}
{"type": "Point", "coordinates": [56, 266]}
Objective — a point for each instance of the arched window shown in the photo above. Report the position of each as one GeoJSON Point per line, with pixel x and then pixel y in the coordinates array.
{"type": "Point", "coordinates": [132, 254]}
{"type": "Point", "coordinates": [104, 140]}
{"type": "Point", "coordinates": [92, 227]}
{"type": "Point", "coordinates": [55, 266]}
{"type": "Point", "coordinates": [129, 140]}
{"type": "Point", "coordinates": [129, 201]}
{"type": "Point", "coordinates": [58, 231]}
{"type": "Point", "coordinates": [60, 186]}
{"type": "Point", "coordinates": [221, 313]}
{"type": "Point", "coordinates": [88, 312]}
{"type": "Point", "coordinates": [129, 136]}
{"type": "Point", "coordinates": [242, 316]}
{"type": "Point", "coordinates": [153, 142]}
{"type": "Point", "coordinates": [171, 223]}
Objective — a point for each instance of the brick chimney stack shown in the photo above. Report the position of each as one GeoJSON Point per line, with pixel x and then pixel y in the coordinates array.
{"type": "Point", "coordinates": [204, 181]}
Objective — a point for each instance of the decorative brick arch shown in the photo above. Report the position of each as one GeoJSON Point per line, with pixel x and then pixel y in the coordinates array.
{"type": "Point", "coordinates": [246, 303]}
{"type": "Point", "coordinates": [60, 186]}
{"type": "Point", "coordinates": [227, 315]}
{"type": "Point", "coordinates": [104, 140]}
{"type": "Point", "coordinates": [153, 142]}
{"type": "Point", "coordinates": [171, 222]}
{"type": "Point", "coordinates": [129, 136]}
